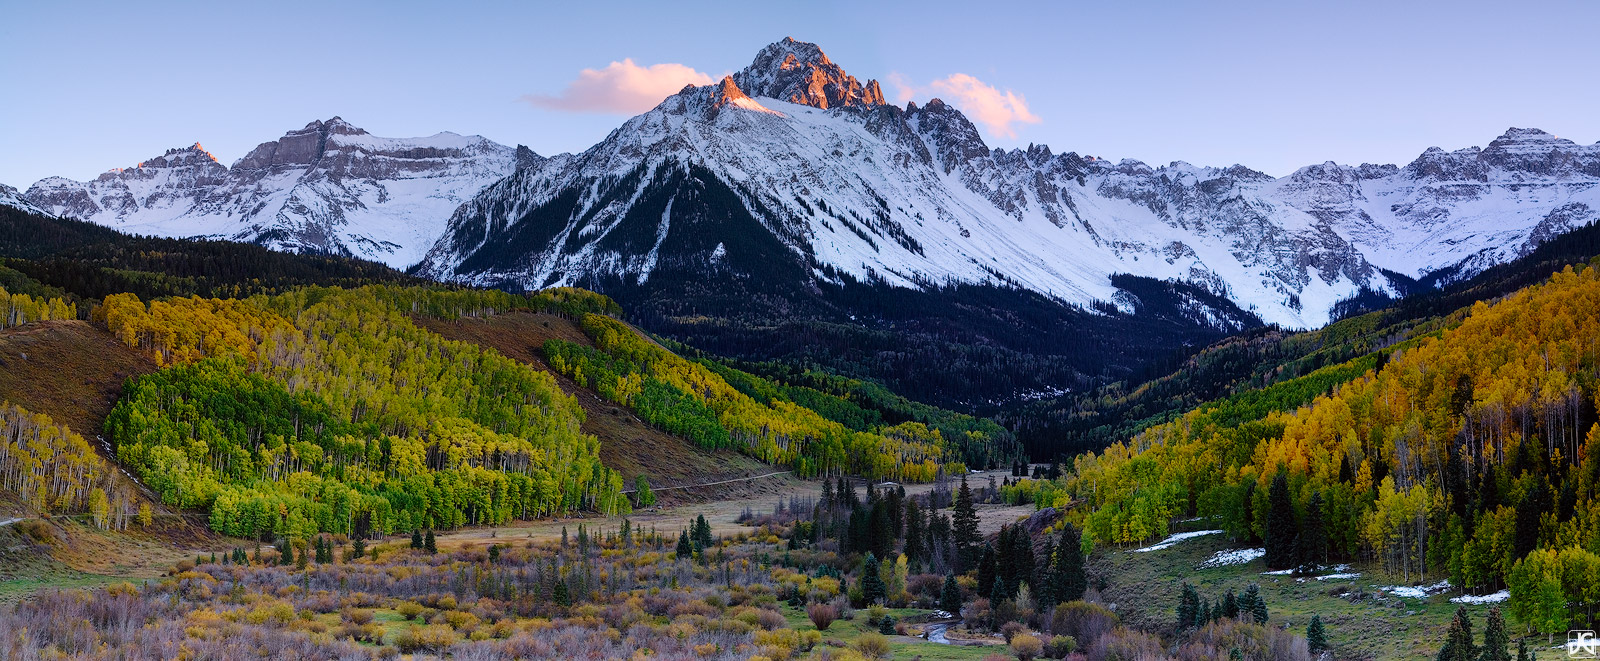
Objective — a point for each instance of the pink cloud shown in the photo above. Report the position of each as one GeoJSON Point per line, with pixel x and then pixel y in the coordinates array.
{"type": "Point", "coordinates": [622, 88]}
{"type": "Point", "coordinates": [996, 110]}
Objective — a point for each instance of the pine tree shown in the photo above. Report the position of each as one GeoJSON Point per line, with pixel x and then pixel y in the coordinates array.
{"type": "Point", "coordinates": [1230, 605]}
{"type": "Point", "coordinates": [987, 573]}
{"type": "Point", "coordinates": [560, 595]}
{"type": "Point", "coordinates": [1188, 607]}
{"type": "Point", "coordinates": [1021, 561]}
{"type": "Point", "coordinates": [1458, 642]}
{"type": "Point", "coordinates": [1523, 653]}
{"type": "Point", "coordinates": [429, 544]}
{"type": "Point", "coordinates": [1316, 637]}
{"type": "Point", "coordinates": [1495, 638]}
{"type": "Point", "coordinates": [1529, 513]}
{"type": "Point", "coordinates": [950, 596]}
{"type": "Point", "coordinates": [1312, 542]}
{"type": "Point", "coordinates": [1251, 602]}
{"type": "Point", "coordinates": [914, 527]}
{"type": "Point", "coordinates": [1071, 581]}
{"type": "Point", "coordinates": [288, 553]}
{"type": "Point", "coordinates": [964, 527]}
{"type": "Point", "coordinates": [880, 531]}
{"type": "Point", "coordinates": [416, 538]}
{"type": "Point", "coordinates": [1280, 524]}
{"type": "Point", "coordinates": [872, 588]}
{"type": "Point", "coordinates": [685, 548]}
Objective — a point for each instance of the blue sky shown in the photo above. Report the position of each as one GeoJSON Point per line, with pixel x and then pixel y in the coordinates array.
{"type": "Point", "coordinates": [1272, 85]}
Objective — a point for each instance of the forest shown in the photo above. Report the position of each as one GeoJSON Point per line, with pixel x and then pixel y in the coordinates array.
{"type": "Point", "coordinates": [1469, 452]}
{"type": "Point", "coordinates": [328, 410]}
{"type": "Point", "coordinates": [717, 406]}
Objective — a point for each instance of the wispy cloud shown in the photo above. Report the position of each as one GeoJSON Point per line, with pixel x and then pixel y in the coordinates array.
{"type": "Point", "coordinates": [986, 105]}
{"type": "Point", "coordinates": [996, 110]}
{"type": "Point", "coordinates": [621, 88]}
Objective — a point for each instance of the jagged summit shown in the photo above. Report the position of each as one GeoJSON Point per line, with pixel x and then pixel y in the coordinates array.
{"type": "Point", "coordinates": [799, 72]}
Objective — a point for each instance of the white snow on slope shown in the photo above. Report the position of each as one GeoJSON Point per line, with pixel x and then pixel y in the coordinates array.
{"type": "Point", "coordinates": [1174, 539]}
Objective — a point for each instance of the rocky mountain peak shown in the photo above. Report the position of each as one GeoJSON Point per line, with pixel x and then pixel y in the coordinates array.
{"type": "Point", "coordinates": [799, 72]}
{"type": "Point", "coordinates": [726, 92]}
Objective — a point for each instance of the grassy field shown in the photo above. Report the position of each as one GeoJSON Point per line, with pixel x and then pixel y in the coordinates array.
{"type": "Point", "coordinates": [65, 553]}
{"type": "Point", "coordinates": [1145, 588]}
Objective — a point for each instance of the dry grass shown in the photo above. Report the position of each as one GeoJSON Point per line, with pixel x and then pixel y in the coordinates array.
{"type": "Point", "coordinates": [71, 371]}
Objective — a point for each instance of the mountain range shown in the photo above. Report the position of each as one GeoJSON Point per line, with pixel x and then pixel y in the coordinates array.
{"type": "Point", "coordinates": [791, 192]}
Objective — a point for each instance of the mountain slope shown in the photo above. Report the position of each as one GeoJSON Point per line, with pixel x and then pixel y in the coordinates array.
{"type": "Point", "coordinates": [327, 188]}
{"type": "Point", "coordinates": [848, 185]}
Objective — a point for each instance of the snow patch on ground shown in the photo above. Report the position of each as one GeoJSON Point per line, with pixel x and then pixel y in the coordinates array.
{"type": "Point", "coordinates": [1411, 592]}
{"type": "Point", "coordinates": [1170, 541]}
{"type": "Point", "coordinates": [1339, 576]}
{"type": "Point", "coordinates": [1482, 599]}
{"type": "Point", "coordinates": [1232, 557]}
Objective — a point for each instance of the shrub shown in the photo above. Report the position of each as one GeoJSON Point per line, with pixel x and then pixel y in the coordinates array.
{"type": "Point", "coordinates": [1026, 647]}
{"type": "Point", "coordinates": [359, 616]}
{"type": "Point", "coordinates": [1061, 646]}
{"type": "Point", "coordinates": [770, 619]}
{"type": "Point", "coordinates": [1010, 630]}
{"type": "Point", "coordinates": [822, 615]}
{"type": "Point", "coordinates": [409, 609]}
{"type": "Point", "coordinates": [434, 637]}
{"type": "Point", "coordinates": [873, 645]}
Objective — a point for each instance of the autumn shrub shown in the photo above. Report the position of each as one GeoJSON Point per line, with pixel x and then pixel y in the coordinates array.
{"type": "Point", "coordinates": [1026, 647]}
{"type": "Point", "coordinates": [873, 645]}
{"type": "Point", "coordinates": [822, 615]}
{"type": "Point", "coordinates": [1082, 620]}
{"type": "Point", "coordinates": [359, 616]}
{"type": "Point", "coordinates": [1061, 646]}
{"type": "Point", "coordinates": [409, 609]}
{"type": "Point", "coordinates": [432, 638]}
{"type": "Point", "coordinates": [1010, 630]}
{"type": "Point", "coordinates": [770, 619]}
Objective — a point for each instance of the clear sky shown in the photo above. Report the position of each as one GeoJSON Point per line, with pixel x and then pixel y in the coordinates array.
{"type": "Point", "coordinates": [1272, 85]}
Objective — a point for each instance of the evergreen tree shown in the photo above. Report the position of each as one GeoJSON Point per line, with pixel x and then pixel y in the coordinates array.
{"type": "Point", "coordinates": [1316, 637]}
{"type": "Point", "coordinates": [416, 538]}
{"type": "Point", "coordinates": [1312, 543]}
{"type": "Point", "coordinates": [964, 525]}
{"type": "Point", "coordinates": [1523, 653]}
{"type": "Point", "coordinates": [429, 544]}
{"type": "Point", "coordinates": [1068, 574]}
{"type": "Point", "coordinates": [288, 553]}
{"type": "Point", "coordinates": [827, 494]}
{"type": "Point", "coordinates": [987, 573]}
{"type": "Point", "coordinates": [1021, 561]}
{"type": "Point", "coordinates": [685, 548]}
{"type": "Point", "coordinates": [702, 533]}
{"type": "Point", "coordinates": [1280, 524]}
{"type": "Point", "coordinates": [1495, 638]}
{"type": "Point", "coordinates": [880, 531]}
{"type": "Point", "coordinates": [913, 547]}
{"type": "Point", "coordinates": [1529, 512]}
{"type": "Point", "coordinates": [950, 596]}
{"type": "Point", "coordinates": [1188, 607]}
{"type": "Point", "coordinates": [1230, 605]}
{"type": "Point", "coordinates": [1458, 642]}
{"type": "Point", "coordinates": [1251, 602]}
{"type": "Point", "coordinates": [560, 595]}
{"type": "Point", "coordinates": [358, 548]}
{"type": "Point", "coordinates": [872, 588]}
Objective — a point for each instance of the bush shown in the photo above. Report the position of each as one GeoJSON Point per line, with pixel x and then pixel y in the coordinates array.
{"type": "Point", "coordinates": [409, 609]}
{"type": "Point", "coordinates": [1061, 646]}
{"type": "Point", "coordinates": [822, 615]}
{"type": "Point", "coordinates": [873, 645]}
{"type": "Point", "coordinates": [1010, 630]}
{"type": "Point", "coordinates": [1026, 647]}
{"type": "Point", "coordinates": [359, 616]}
{"type": "Point", "coordinates": [770, 619]}
{"type": "Point", "coordinates": [434, 638]}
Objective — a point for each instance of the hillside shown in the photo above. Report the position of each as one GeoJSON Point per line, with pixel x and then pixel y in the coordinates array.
{"type": "Point", "coordinates": [628, 445]}
{"type": "Point", "coordinates": [1464, 453]}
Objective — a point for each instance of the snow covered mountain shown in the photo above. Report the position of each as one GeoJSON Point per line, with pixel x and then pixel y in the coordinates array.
{"type": "Point", "coordinates": [329, 187]}
{"type": "Point", "coordinates": [11, 197]}
{"type": "Point", "coordinates": [792, 160]}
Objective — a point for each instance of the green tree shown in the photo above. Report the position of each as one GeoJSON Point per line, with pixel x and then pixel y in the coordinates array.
{"type": "Point", "coordinates": [1316, 637]}
{"type": "Point", "coordinates": [685, 547]}
{"type": "Point", "coordinates": [642, 492]}
{"type": "Point", "coordinates": [429, 544]}
{"type": "Point", "coordinates": [987, 573]}
{"type": "Point", "coordinates": [1458, 644]}
{"type": "Point", "coordinates": [1495, 639]}
{"type": "Point", "coordinates": [416, 538]}
{"type": "Point", "coordinates": [950, 596]}
{"type": "Point", "coordinates": [964, 527]}
{"type": "Point", "coordinates": [873, 590]}
{"type": "Point", "coordinates": [1188, 607]}
{"type": "Point", "coordinates": [1230, 605]}
{"type": "Point", "coordinates": [1280, 535]}
{"type": "Point", "coordinates": [1311, 545]}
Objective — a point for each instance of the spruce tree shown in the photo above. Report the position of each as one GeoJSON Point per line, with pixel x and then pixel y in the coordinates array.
{"type": "Point", "coordinates": [1071, 579]}
{"type": "Point", "coordinates": [872, 588]}
{"type": "Point", "coordinates": [1021, 561]}
{"type": "Point", "coordinates": [1458, 642]}
{"type": "Point", "coordinates": [950, 596]}
{"type": "Point", "coordinates": [964, 524]}
{"type": "Point", "coordinates": [1230, 605]}
{"type": "Point", "coordinates": [429, 544]}
{"type": "Point", "coordinates": [1280, 524]}
{"type": "Point", "coordinates": [987, 575]}
{"type": "Point", "coordinates": [1529, 513]}
{"type": "Point", "coordinates": [288, 553]}
{"type": "Point", "coordinates": [1495, 638]}
{"type": "Point", "coordinates": [416, 538]}
{"type": "Point", "coordinates": [1188, 607]}
{"type": "Point", "coordinates": [1252, 603]}
{"type": "Point", "coordinates": [1316, 638]}
{"type": "Point", "coordinates": [913, 546]}
{"type": "Point", "coordinates": [685, 548]}
{"type": "Point", "coordinates": [1312, 543]}
{"type": "Point", "coordinates": [1523, 653]}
